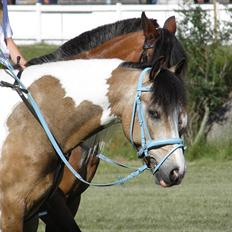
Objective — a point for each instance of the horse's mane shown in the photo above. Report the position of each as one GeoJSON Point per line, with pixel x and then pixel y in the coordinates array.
{"type": "Point", "coordinates": [90, 39]}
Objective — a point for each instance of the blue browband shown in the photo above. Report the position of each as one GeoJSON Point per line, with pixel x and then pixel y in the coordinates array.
{"type": "Point", "coordinates": [145, 145]}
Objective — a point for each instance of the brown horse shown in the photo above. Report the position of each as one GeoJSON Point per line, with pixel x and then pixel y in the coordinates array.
{"type": "Point", "coordinates": [77, 98]}
{"type": "Point", "coordinates": [123, 39]}
{"type": "Point", "coordinates": [129, 39]}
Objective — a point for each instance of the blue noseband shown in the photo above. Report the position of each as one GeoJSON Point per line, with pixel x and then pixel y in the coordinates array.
{"type": "Point", "coordinates": [147, 143]}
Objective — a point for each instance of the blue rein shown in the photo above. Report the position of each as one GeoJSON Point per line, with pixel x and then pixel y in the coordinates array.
{"type": "Point", "coordinates": [146, 145]}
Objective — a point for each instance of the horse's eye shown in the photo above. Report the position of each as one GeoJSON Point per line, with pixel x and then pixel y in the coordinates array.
{"type": "Point", "coordinates": [181, 127]}
{"type": "Point", "coordinates": [154, 114]}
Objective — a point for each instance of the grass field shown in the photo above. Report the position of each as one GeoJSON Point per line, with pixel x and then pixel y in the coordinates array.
{"type": "Point", "coordinates": [202, 203]}
{"type": "Point", "coordinates": [31, 51]}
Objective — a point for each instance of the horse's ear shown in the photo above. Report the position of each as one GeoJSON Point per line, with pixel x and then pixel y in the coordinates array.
{"type": "Point", "coordinates": [177, 69]}
{"type": "Point", "coordinates": [156, 67]}
{"type": "Point", "coordinates": [149, 27]}
{"type": "Point", "coordinates": [170, 24]}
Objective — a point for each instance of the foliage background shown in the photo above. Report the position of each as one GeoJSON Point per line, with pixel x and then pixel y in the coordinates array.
{"type": "Point", "coordinates": [209, 76]}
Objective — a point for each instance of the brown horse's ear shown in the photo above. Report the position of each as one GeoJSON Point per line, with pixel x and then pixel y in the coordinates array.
{"type": "Point", "coordinates": [156, 67]}
{"type": "Point", "coordinates": [170, 24]}
{"type": "Point", "coordinates": [149, 27]}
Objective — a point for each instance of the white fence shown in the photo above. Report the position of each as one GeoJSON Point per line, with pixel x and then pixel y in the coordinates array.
{"type": "Point", "coordinates": [59, 23]}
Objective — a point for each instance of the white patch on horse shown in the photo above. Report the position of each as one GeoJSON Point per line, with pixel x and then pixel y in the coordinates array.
{"type": "Point", "coordinates": [89, 82]}
{"type": "Point", "coordinates": [178, 154]}
{"type": "Point", "coordinates": [8, 100]}
{"type": "Point", "coordinates": [81, 79]}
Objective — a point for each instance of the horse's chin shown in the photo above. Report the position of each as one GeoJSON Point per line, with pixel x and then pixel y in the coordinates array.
{"type": "Point", "coordinates": [162, 183]}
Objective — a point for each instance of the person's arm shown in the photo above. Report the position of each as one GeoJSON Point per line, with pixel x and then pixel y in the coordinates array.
{"type": "Point", "coordinates": [10, 44]}
{"type": "Point", "coordinates": [14, 52]}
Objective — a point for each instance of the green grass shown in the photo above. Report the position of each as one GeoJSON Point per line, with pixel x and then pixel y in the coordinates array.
{"type": "Point", "coordinates": [31, 51]}
{"type": "Point", "coordinates": [201, 203]}
{"type": "Point", "coordinates": [219, 150]}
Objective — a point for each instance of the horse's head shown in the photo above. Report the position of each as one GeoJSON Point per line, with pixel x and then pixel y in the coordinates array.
{"type": "Point", "coordinates": [161, 42]}
{"type": "Point", "coordinates": [158, 120]}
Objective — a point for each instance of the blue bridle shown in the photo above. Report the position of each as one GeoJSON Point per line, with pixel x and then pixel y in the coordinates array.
{"type": "Point", "coordinates": [147, 143]}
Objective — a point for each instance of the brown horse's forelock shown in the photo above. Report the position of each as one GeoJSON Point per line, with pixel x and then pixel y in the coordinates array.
{"type": "Point", "coordinates": [91, 39]}
{"type": "Point", "coordinates": [168, 91]}
{"type": "Point", "coordinates": [167, 45]}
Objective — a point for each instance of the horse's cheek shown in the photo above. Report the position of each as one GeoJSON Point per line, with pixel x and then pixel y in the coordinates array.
{"type": "Point", "coordinates": [126, 126]}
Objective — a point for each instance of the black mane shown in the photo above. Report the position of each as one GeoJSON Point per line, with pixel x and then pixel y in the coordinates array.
{"type": "Point", "coordinates": [168, 91]}
{"type": "Point", "coordinates": [89, 40]}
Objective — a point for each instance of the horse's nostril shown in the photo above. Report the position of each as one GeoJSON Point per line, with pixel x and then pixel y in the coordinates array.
{"type": "Point", "coordinates": [175, 176]}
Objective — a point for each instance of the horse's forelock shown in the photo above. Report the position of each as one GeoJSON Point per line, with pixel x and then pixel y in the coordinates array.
{"type": "Point", "coordinates": [168, 91]}
{"type": "Point", "coordinates": [167, 45]}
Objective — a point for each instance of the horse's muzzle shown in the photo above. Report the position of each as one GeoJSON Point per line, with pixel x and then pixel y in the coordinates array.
{"type": "Point", "coordinates": [164, 178]}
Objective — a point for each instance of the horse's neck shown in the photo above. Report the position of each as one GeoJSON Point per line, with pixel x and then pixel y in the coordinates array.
{"type": "Point", "coordinates": [126, 47]}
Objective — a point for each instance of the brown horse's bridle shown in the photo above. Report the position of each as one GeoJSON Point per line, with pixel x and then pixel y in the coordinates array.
{"type": "Point", "coordinates": [144, 56]}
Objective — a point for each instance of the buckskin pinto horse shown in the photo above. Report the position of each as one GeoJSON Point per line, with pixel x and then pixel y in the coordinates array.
{"type": "Point", "coordinates": [118, 46]}
{"type": "Point", "coordinates": [88, 98]}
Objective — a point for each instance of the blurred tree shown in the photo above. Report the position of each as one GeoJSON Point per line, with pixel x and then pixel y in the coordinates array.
{"type": "Point", "coordinates": [210, 67]}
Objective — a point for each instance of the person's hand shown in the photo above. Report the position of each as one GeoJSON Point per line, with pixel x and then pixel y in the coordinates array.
{"type": "Point", "coordinates": [15, 54]}
{"type": "Point", "coordinates": [21, 63]}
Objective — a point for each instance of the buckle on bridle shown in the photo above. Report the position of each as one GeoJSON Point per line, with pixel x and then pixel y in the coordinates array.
{"type": "Point", "coordinates": [141, 153]}
{"type": "Point", "coordinates": [148, 46]}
